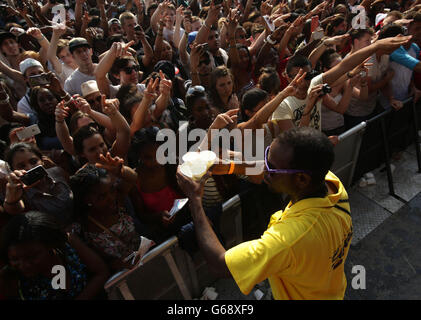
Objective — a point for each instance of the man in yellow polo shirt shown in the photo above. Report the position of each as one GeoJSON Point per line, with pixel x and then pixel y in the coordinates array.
{"type": "Point", "coordinates": [303, 251]}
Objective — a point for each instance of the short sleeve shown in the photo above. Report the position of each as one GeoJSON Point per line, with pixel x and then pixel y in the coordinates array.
{"type": "Point", "coordinates": [283, 112]}
{"type": "Point", "coordinates": [254, 261]}
{"type": "Point", "coordinates": [402, 57]}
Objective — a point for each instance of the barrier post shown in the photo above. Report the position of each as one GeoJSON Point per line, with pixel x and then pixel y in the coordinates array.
{"type": "Point", "coordinates": [417, 137]}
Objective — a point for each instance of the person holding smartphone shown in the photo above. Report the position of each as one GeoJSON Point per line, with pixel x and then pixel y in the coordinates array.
{"type": "Point", "coordinates": [48, 191]}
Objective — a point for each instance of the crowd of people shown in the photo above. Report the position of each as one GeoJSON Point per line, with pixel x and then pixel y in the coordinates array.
{"type": "Point", "coordinates": [99, 79]}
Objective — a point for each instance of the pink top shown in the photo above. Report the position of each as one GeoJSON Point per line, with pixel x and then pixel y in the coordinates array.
{"type": "Point", "coordinates": [160, 200]}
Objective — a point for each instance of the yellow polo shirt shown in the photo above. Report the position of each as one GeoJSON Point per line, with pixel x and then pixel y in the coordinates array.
{"type": "Point", "coordinates": [302, 252]}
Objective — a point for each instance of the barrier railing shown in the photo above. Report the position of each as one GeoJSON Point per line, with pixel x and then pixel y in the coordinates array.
{"type": "Point", "coordinates": [369, 144]}
{"type": "Point", "coordinates": [184, 272]}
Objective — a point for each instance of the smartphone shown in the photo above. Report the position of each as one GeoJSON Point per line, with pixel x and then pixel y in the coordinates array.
{"type": "Point", "coordinates": [39, 80]}
{"type": "Point", "coordinates": [177, 206]}
{"type": "Point", "coordinates": [314, 23]}
{"type": "Point", "coordinates": [28, 132]}
{"type": "Point", "coordinates": [206, 46]}
{"type": "Point", "coordinates": [34, 175]}
{"type": "Point", "coordinates": [138, 28]}
{"type": "Point", "coordinates": [269, 23]}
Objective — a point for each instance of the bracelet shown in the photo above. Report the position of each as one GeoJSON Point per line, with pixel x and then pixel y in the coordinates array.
{"type": "Point", "coordinates": [42, 37]}
{"type": "Point", "coordinates": [62, 121]}
{"type": "Point", "coordinates": [206, 25]}
{"type": "Point", "coordinates": [5, 101]}
{"type": "Point", "coordinates": [191, 73]}
{"type": "Point", "coordinates": [269, 39]}
{"type": "Point", "coordinates": [349, 75]}
{"type": "Point", "coordinates": [232, 166]}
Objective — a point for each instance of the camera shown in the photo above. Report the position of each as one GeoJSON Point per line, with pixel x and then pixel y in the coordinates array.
{"type": "Point", "coordinates": [34, 175]}
{"type": "Point", "coordinates": [138, 28]}
{"type": "Point", "coordinates": [310, 75]}
{"type": "Point", "coordinates": [326, 89]}
{"type": "Point", "coordinates": [39, 80]}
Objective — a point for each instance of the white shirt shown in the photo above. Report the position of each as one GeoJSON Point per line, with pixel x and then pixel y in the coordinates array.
{"type": "Point", "coordinates": [74, 81]}
{"type": "Point", "coordinates": [292, 108]}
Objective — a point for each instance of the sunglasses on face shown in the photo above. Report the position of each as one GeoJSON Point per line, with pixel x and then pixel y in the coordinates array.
{"type": "Point", "coordinates": [288, 171]}
{"type": "Point", "coordinates": [129, 70]}
{"type": "Point", "coordinates": [92, 101]}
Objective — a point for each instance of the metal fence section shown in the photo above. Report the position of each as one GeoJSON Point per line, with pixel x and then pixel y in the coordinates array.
{"type": "Point", "coordinates": [168, 272]}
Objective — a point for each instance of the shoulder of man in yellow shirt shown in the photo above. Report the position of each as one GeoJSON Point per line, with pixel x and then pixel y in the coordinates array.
{"type": "Point", "coordinates": [286, 227]}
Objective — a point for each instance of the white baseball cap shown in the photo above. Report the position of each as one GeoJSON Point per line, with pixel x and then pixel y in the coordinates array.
{"type": "Point", "coordinates": [89, 87]}
{"type": "Point", "coordinates": [28, 63]}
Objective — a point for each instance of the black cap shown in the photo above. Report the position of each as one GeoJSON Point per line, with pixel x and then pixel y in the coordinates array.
{"type": "Point", "coordinates": [166, 67]}
{"type": "Point", "coordinates": [78, 42]}
{"type": "Point", "coordinates": [6, 35]}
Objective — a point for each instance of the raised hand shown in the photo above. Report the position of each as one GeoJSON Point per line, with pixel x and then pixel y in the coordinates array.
{"type": "Point", "coordinates": [61, 112]}
{"type": "Point", "coordinates": [35, 32]}
{"type": "Point", "coordinates": [109, 106]}
{"type": "Point", "coordinates": [165, 85]}
{"type": "Point", "coordinates": [388, 45]}
{"type": "Point", "coordinates": [293, 86]}
{"type": "Point", "coordinates": [150, 92]}
{"type": "Point", "coordinates": [223, 120]}
{"type": "Point", "coordinates": [112, 164]}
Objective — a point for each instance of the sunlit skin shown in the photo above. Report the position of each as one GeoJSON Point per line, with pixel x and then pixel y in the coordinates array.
{"type": "Point", "coordinates": [213, 41]}
{"type": "Point", "coordinates": [93, 147]}
{"type": "Point", "coordinates": [128, 28]}
{"type": "Point", "coordinates": [224, 86]}
{"type": "Point", "coordinates": [10, 47]}
{"type": "Point", "coordinates": [66, 57]}
{"type": "Point", "coordinates": [83, 56]}
{"type": "Point", "coordinates": [133, 77]}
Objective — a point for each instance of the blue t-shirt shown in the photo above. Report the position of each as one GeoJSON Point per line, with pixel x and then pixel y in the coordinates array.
{"type": "Point", "coordinates": [402, 56]}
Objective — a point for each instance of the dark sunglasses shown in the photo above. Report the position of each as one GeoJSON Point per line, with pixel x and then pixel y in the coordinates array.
{"type": "Point", "coordinates": [92, 101]}
{"type": "Point", "coordinates": [129, 70]}
{"type": "Point", "coordinates": [270, 170]}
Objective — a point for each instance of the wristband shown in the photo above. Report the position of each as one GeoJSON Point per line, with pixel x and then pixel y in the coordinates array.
{"type": "Point", "coordinates": [269, 39]}
{"type": "Point", "coordinates": [232, 166]}
{"type": "Point", "coordinates": [206, 25]}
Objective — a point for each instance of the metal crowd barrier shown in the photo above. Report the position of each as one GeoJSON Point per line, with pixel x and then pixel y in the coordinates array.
{"type": "Point", "coordinates": [347, 152]}
{"type": "Point", "coordinates": [368, 145]}
{"type": "Point", "coordinates": [167, 266]}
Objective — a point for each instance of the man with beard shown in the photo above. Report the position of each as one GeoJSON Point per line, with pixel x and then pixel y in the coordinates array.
{"type": "Point", "coordinates": [303, 251]}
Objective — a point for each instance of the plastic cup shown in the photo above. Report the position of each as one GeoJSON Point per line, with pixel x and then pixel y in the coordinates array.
{"type": "Point", "coordinates": [208, 156]}
{"type": "Point", "coordinates": [198, 169]}
{"type": "Point", "coordinates": [191, 157]}
{"type": "Point", "coordinates": [185, 169]}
